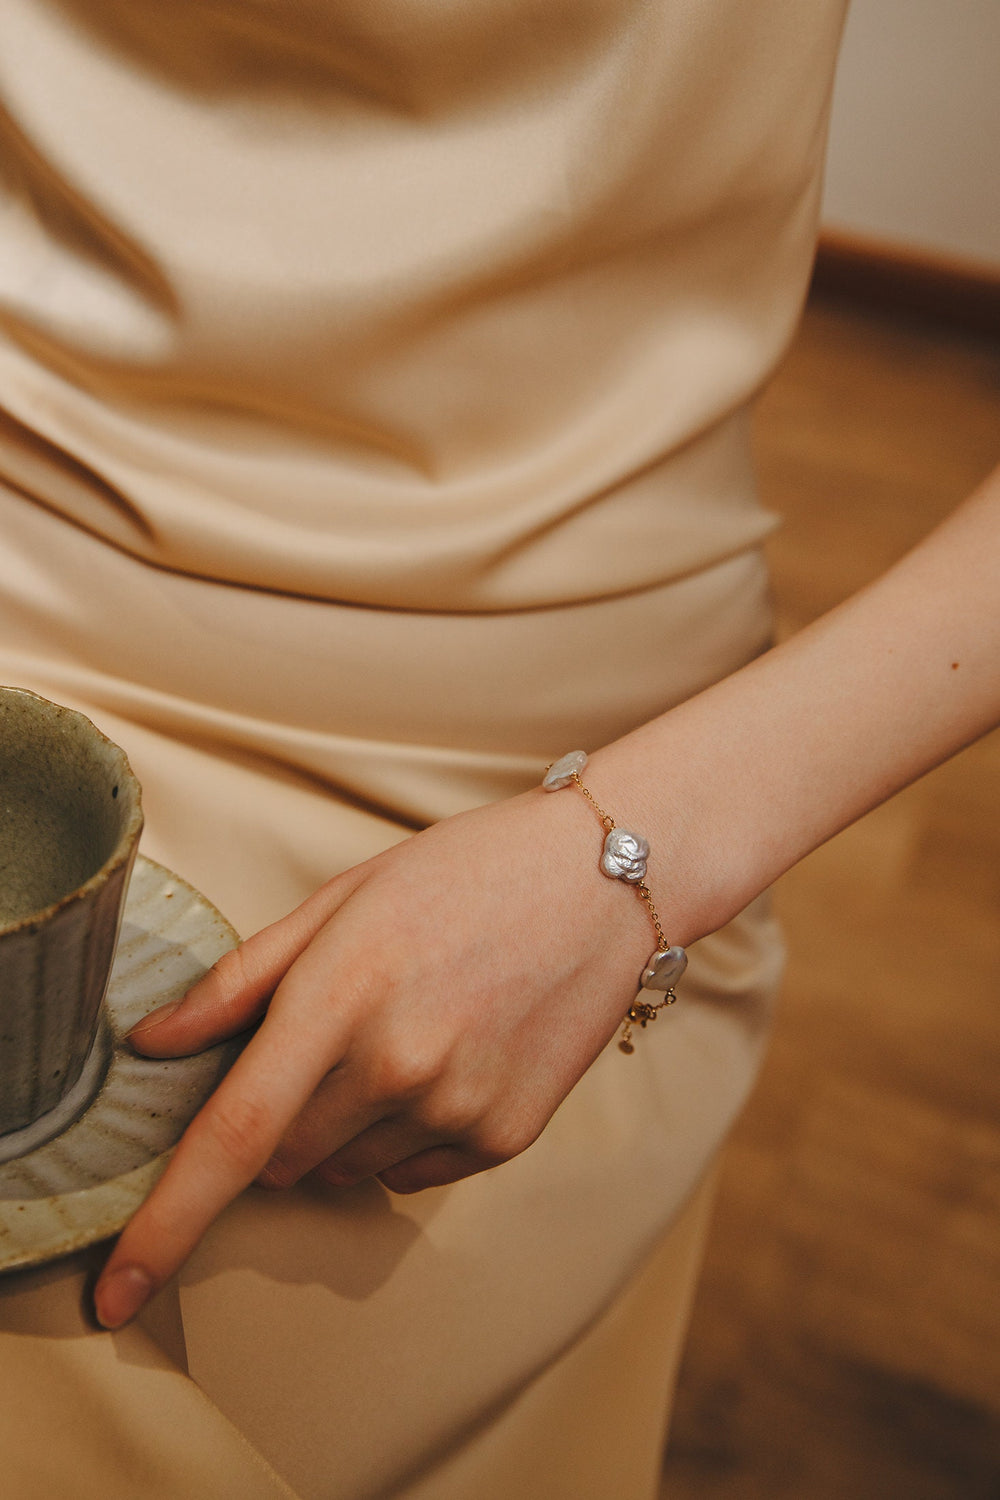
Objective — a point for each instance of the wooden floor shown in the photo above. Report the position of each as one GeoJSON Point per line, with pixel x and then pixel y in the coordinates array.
{"type": "Point", "coordinates": [846, 1340]}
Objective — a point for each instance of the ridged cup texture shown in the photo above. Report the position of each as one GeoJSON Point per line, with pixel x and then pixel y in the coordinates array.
{"type": "Point", "coordinates": [70, 819]}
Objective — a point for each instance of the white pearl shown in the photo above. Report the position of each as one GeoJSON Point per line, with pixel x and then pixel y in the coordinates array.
{"type": "Point", "coordinates": [562, 771]}
{"type": "Point", "coordinates": [664, 969]}
{"type": "Point", "coordinates": [625, 855]}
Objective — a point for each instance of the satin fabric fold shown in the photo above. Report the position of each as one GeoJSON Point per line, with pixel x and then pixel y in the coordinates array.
{"type": "Point", "coordinates": [369, 333]}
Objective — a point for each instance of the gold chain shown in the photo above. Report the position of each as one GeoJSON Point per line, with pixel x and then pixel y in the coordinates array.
{"type": "Point", "coordinates": [605, 818]}
{"type": "Point", "coordinates": [642, 1010]}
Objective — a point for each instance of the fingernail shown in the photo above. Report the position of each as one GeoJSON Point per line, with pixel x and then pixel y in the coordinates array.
{"type": "Point", "coordinates": [119, 1297]}
{"type": "Point", "coordinates": [155, 1017]}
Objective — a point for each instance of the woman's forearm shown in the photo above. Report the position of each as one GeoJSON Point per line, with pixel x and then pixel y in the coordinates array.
{"type": "Point", "coordinates": [738, 784]}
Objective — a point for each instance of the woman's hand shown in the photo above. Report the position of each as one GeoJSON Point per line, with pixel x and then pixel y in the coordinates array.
{"type": "Point", "coordinates": [426, 1013]}
{"type": "Point", "coordinates": [422, 1017]}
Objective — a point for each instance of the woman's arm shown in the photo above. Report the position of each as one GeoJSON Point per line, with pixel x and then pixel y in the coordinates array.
{"type": "Point", "coordinates": [746, 778]}
{"type": "Point", "coordinates": [426, 1012]}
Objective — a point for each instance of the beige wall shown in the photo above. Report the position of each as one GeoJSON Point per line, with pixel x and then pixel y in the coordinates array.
{"type": "Point", "coordinates": [915, 141]}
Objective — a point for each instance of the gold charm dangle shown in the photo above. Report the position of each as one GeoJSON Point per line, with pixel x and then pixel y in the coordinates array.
{"type": "Point", "coordinates": [640, 1012]}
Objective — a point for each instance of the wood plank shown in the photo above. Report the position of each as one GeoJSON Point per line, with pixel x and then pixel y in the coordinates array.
{"type": "Point", "coordinates": [846, 1338]}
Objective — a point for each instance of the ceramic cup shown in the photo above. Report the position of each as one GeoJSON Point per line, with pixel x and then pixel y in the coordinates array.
{"type": "Point", "coordinates": [70, 818]}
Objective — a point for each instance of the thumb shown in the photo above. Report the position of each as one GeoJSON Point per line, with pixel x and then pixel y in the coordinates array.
{"type": "Point", "coordinates": [236, 990]}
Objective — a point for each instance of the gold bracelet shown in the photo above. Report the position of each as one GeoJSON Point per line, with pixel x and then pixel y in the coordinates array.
{"type": "Point", "coordinates": [624, 858]}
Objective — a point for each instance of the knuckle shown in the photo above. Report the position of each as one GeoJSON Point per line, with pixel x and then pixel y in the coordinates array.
{"type": "Point", "coordinates": [450, 1113]}
{"type": "Point", "coordinates": [404, 1068]}
{"type": "Point", "coordinates": [501, 1140]}
{"type": "Point", "coordinates": [241, 1129]}
{"type": "Point", "coordinates": [230, 970]}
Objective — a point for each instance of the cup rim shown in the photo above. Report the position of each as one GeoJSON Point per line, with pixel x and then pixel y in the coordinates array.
{"type": "Point", "coordinates": [123, 852]}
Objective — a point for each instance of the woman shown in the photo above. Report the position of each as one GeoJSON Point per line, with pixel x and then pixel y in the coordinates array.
{"type": "Point", "coordinates": [377, 383]}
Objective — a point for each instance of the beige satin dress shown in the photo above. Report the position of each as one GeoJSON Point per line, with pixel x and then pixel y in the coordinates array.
{"type": "Point", "coordinates": [374, 380]}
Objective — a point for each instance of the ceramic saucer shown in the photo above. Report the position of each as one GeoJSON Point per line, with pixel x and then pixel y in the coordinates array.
{"type": "Point", "coordinates": [88, 1181]}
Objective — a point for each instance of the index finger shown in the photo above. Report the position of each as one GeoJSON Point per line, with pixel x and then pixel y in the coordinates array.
{"type": "Point", "coordinates": [221, 1152]}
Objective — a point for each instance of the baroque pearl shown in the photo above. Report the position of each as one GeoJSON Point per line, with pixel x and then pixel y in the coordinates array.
{"type": "Point", "coordinates": [664, 969]}
{"type": "Point", "coordinates": [624, 857]}
{"type": "Point", "coordinates": [562, 771]}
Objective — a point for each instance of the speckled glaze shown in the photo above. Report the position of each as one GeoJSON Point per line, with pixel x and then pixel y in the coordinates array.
{"type": "Point", "coordinates": [70, 819]}
{"type": "Point", "coordinates": [86, 1183]}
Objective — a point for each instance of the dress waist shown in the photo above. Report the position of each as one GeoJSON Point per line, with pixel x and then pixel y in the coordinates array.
{"type": "Point", "coordinates": [456, 708]}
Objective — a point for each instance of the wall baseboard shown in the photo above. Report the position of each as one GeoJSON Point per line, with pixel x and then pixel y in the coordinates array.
{"type": "Point", "coordinates": [896, 277]}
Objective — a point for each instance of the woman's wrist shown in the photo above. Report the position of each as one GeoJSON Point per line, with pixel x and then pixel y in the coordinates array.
{"type": "Point", "coordinates": [737, 784]}
{"type": "Point", "coordinates": [667, 784]}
